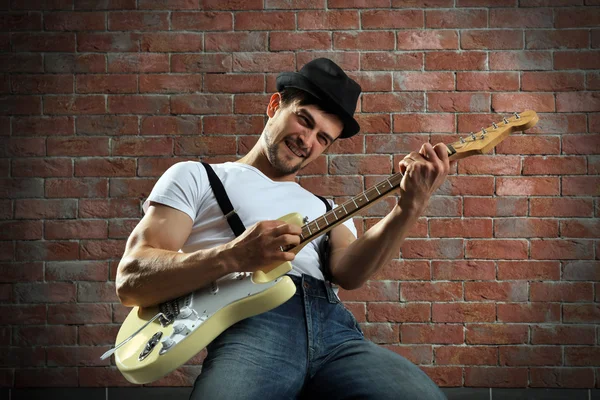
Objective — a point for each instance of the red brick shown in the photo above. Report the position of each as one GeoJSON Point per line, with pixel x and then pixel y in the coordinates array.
{"type": "Point", "coordinates": [20, 230]}
{"type": "Point", "coordinates": [108, 42]}
{"type": "Point", "coordinates": [561, 291]}
{"type": "Point", "coordinates": [495, 249]}
{"type": "Point", "coordinates": [496, 334]}
{"type": "Point", "coordinates": [29, 63]}
{"type": "Point", "coordinates": [398, 312]}
{"type": "Point", "coordinates": [142, 62]}
{"type": "Point", "coordinates": [75, 63]}
{"type": "Point", "coordinates": [463, 270]}
{"type": "Point", "coordinates": [23, 147]}
{"type": "Point", "coordinates": [76, 356]}
{"type": "Point", "coordinates": [551, 81]}
{"type": "Point", "coordinates": [560, 123]}
{"type": "Point", "coordinates": [455, 61]}
{"type": "Point", "coordinates": [45, 335]}
{"type": "Point", "coordinates": [243, 41]}
{"type": "Point", "coordinates": [438, 333]}
{"type": "Point", "coordinates": [389, 61]}
{"type": "Point", "coordinates": [105, 167]}
{"type": "Point", "coordinates": [461, 18]}
{"type": "Point", "coordinates": [390, 19]}
{"type": "Point", "coordinates": [46, 377]}
{"type": "Point", "coordinates": [431, 291]}
{"type": "Point", "coordinates": [533, 312]}
{"type": "Point", "coordinates": [491, 39]}
{"type": "Point", "coordinates": [97, 334]}
{"type": "Point", "coordinates": [203, 146]}
{"type": "Point", "coordinates": [121, 228]}
{"type": "Point", "coordinates": [554, 165]}
{"type": "Point", "coordinates": [102, 249]}
{"type": "Point", "coordinates": [333, 185]}
{"type": "Point", "coordinates": [391, 102]}
{"type": "Point", "coordinates": [496, 291]}
{"type": "Point", "coordinates": [53, 292]}
{"type": "Point", "coordinates": [580, 228]}
{"type": "Point", "coordinates": [525, 227]}
{"type": "Point", "coordinates": [471, 355]}
{"type": "Point", "coordinates": [458, 102]}
{"type": "Point", "coordinates": [494, 165]}
{"type": "Point", "coordinates": [232, 5]}
{"type": "Point", "coordinates": [170, 125]}
{"type": "Point", "coordinates": [423, 123]}
{"type": "Point", "coordinates": [74, 21]}
{"type": "Point", "coordinates": [167, 4]}
{"type": "Point", "coordinates": [561, 207]}
{"type": "Point", "coordinates": [170, 83]}
{"type": "Point", "coordinates": [578, 102]}
{"type": "Point", "coordinates": [581, 356]}
{"type": "Point", "coordinates": [364, 40]}
{"type": "Point", "coordinates": [31, 21]}
{"type": "Point", "coordinates": [443, 206]}
{"type": "Point", "coordinates": [42, 84]}
{"type": "Point", "coordinates": [201, 104]}
{"type": "Point", "coordinates": [74, 105]}
{"type": "Point", "coordinates": [460, 227]}
{"type": "Point", "coordinates": [219, 83]}
{"type": "Point", "coordinates": [463, 312]}
{"type": "Point", "coordinates": [107, 125]}
{"type": "Point", "coordinates": [104, 5]}
{"type": "Point", "coordinates": [556, 39]}
{"type": "Point", "coordinates": [138, 146]}
{"type": "Point", "coordinates": [530, 355]}
{"type": "Point", "coordinates": [40, 167]}
{"type": "Point", "coordinates": [576, 59]}
{"type": "Point", "coordinates": [203, 21]}
{"type": "Point", "coordinates": [138, 21]}
{"type": "Point", "coordinates": [76, 187]}
{"type": "Point", "coordinates": [562, 334]}
{"type": "Point", "coordinates": [138, 104]}
{"type": "Point", "coordinates": [427, 40]}
{"type": "Point", "coordinates": [422, 3]}
{"type": "Point", "coordinates": [42, 41]}
{"type": "Point", "coordinates": [421, 81]}
{"type": "Point", "coordinates": [42, 126]}
{"type": "Point", "coordinates": [263, 62]}
{"type": "Point", "coordinates": [321, 20]}
{"type": "Point", "coordinates": [381, 333]}
{"type": "Point", "coordinates": [583, 313]}
{"type": "Point", "coordinates": [523, 101]}
{"type": "Point", "coordinates": [542, 186]}
{"type": "Point", "coordinates": [372, 291]}
{"type": "Point", "coordinates": [404, 270]}
{"type": "Point", "coordinates": [467, 185]}
{"type": "Point", "coordinates": [592, 80]}
{"type": "Point", "coordinates": [239, 125]}
{"type": "Point", "coordinates": [417, 354]}
{"type": "Point", "coordinates": [38, 208]}
{"type": "Point", "coordinates": [49, 251]}
{"type": "Point", "coordinates": [581, 185]}
{"type": "Point", "coordinates": [171, 42]}
{"type": "Point", "coordinates": [444, 376]}
{"type": "Point", "coordinates": [80, 229]}
{"type": "Point", "coordinates": [21, 272]}
{"type": "Point", "coordinates": [524, 18]}
{"type": "Point", "coordinates": [520, 60]}
{"type": "Point", "coordinates": [562, 377]}
{"type": "Point", "coordinates": [20, 105]}
{"type": "Point", "coordinates": [581, 270]}
{"type": "Point", "coordinates": [560, 249]}
{"type": "Point", "coordinates": [78, 146]}
{"type": "Point", "coordinates": [433, 248]}
{"type": "Point", "coordinates": [107, 84]}
{"type": "Point", "coordinates": [577, 17]}
{"type": "Point", "coordinates": [361, 165]}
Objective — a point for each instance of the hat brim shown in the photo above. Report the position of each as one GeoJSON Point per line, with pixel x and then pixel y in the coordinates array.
{"type": "Point", "coordinates": [299, 81]}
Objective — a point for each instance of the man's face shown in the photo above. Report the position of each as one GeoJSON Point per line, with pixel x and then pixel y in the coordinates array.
{"type": "Point", "coordinates": [296, 135]}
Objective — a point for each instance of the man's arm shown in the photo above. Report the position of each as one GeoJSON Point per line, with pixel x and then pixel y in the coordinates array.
{"type": "Point", "coordinates": [152, 270]}
{"type": "Point", "coordinates": [352, 262]}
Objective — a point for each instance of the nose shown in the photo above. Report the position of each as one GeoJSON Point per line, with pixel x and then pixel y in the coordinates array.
{"type": "Point", "coordinates": [307, 137]}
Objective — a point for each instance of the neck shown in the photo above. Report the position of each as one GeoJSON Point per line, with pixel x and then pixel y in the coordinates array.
{"type": "Point", "coordinates": [257, 158]}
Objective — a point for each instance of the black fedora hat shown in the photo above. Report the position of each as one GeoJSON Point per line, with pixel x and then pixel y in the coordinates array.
{"type": "Point", "coordinates": [325, 80]}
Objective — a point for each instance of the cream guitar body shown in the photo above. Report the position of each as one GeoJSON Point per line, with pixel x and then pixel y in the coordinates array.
{"type": "Point", "coordinates": [154, 341]}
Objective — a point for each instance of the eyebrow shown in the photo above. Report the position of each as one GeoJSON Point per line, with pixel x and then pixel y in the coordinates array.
{"type": "Point", "coordinates": [310, 118]}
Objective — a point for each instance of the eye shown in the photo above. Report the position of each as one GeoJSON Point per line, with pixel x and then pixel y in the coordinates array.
{"type": "Point", "coordinates": [302, 118]}
{"type": "Point", "coordinates": [323, 140]}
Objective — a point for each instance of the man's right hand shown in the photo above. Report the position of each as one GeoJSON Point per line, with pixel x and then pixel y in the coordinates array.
{"type": "Point", "coordinates": [261, 245]}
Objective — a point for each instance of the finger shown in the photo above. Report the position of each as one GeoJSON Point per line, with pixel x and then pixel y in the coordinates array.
{"type": "Point", "coordinates": [286, 240]}
{"type": "Point", "coordinates": [284, 229]}
{"type": "Point", "coordinates": [442, 151]}
{"type": "Point", "coordinates": [429, 152]}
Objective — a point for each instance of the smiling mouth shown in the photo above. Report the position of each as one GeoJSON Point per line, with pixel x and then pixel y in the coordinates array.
{"type": "Point", "coordinates": [294, 149]}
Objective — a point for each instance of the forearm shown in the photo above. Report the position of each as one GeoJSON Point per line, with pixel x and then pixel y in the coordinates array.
{"type": "Point", "coordinates": [375, 248]}
{"type": "Point", "coordinates": [148, 276]}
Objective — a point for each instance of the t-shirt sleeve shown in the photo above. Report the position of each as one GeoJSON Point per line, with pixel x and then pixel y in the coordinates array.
{"type": "Point", "coordinates": [179, 187]}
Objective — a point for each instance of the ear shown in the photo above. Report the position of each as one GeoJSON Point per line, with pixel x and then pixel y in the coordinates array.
{"type": "Point", "coordinates": [274, 104]}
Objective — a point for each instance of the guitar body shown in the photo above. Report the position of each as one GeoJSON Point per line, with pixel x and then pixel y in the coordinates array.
{"type": "Point", "coordinates": [204, 315]}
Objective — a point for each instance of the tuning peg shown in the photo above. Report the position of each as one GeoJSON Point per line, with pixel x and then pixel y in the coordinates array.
{"type": "Point", "coordinates": [483, 132]}
{"type": "Point", "coordinates": [494, 125]}
{"type": "Point", "coordinates": [506, 122]}
{"type": "Point", "coordinates": [516, 114]}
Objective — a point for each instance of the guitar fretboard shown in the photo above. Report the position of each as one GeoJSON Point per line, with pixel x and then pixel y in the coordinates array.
{"type": "Point", "coordinates": [346, 210]}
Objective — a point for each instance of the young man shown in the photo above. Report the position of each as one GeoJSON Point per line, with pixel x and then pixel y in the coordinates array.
{"type": "Point", "coordinates": [310, 346]}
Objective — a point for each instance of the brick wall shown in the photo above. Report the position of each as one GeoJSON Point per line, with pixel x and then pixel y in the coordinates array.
{"type": "Point", "coordinates": [497, 285]}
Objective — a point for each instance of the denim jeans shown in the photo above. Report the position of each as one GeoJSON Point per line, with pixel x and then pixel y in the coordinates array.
{"type": "Point", "coordinates": [309, 347]}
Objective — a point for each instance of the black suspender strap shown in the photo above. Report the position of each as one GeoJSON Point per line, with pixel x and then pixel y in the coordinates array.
{"type": "Point", "coordinates": [236, 224]}
{"type": "Point", "coordinates": [324, 248]}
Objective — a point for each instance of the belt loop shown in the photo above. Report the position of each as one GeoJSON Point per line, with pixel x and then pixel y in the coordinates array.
{"type": "Point", "coordinates": [331, 296]}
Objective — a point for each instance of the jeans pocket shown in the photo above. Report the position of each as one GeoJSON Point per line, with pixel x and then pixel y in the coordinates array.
{"type": "Point", "coordinates": [351, 317]}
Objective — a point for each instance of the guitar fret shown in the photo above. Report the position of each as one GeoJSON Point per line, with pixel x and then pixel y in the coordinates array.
{"type": "Point", "coordinates": [308, 227]}
{"type": "Point", "coordinates": [365, 193]}
{"type": "Point", "coordinates": [355, 203]}
{"type": "Point", "coordinates": [317, 224]}
{"type": "Point", "coordinates": [390, 183]}
{"type": "Point", "coordinates": [378, 192]}
{"type": "Point", "coordinates": [344, 207]}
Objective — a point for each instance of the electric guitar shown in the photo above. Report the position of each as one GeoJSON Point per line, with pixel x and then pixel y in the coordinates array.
{"type": "Point", "coordinates": [154, 341]}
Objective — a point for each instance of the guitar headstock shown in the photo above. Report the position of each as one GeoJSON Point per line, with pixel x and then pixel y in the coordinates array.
{"type": "Point", "coordinates": [485, 140]}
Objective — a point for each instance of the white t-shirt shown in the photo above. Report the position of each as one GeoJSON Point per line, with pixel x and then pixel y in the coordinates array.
{"type": "Point", "coordinates": [254, 196]}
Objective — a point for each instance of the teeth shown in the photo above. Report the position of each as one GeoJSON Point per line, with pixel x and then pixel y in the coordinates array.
{"type": "Point", "coordinates": [294, 149]}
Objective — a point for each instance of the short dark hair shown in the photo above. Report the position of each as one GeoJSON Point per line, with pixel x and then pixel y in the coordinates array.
{"type": "Point", "coordinates": [290, 95]}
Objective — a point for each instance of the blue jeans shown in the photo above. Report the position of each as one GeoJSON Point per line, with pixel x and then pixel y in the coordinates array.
{"type": "Point", "coordinates": [309, 347]}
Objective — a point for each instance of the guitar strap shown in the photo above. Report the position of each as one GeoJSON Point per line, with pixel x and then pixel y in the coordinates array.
{"type": "Point", "coordinates": [237, 226]}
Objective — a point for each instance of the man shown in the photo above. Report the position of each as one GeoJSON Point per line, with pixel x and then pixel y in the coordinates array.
{"type": "Point", "coordinates": [310, 346]}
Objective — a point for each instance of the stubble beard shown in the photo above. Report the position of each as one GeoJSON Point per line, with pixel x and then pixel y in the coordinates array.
{"type": "Point", "coordinates": [279, 163]}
